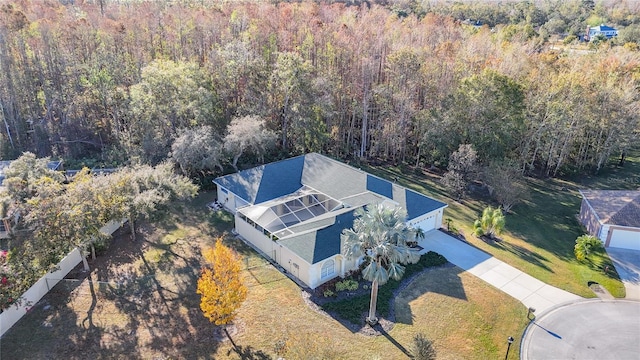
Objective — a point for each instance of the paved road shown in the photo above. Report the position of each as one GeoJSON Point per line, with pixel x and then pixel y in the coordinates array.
{"type": "Point", "coordinates": [627, 264]}
{"type": "Point", "coordinates": [567, 326]}
{"type": "Point", "coordinates": [529, 290]}
{"type": "Point", "coordinates": [587, 329]}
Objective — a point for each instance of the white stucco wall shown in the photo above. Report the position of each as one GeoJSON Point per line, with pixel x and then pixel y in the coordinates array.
{"type": "Point", "coordinates": [223, 198]}
{"type": "Point", "coordinates": [257, 238]}
{"type": "Point", "coordinates": [229, 200]}
{"type": "Point", "coordinates": [289, 260]}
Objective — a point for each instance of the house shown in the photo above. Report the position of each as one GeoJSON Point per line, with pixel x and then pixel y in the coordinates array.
{"type": "Point", "coordinates": [294, 211]}
{"type": "Point", "coordinates": [604, 30]}
{"type": "Point", "coordinates": [613, 216]}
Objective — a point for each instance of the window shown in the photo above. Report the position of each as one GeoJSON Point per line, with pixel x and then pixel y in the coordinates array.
{"type": "Point", "coordinates": [328, 269]}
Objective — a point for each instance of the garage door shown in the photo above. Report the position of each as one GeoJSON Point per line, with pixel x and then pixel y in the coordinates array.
{"type": "Point", "coordinates": [427, 224]}
{"type": "Point", "coordinates": [625, 239]}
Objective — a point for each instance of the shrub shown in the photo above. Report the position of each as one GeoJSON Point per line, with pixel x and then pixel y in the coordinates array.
{"type": "Point", "coordinates": [422, 348]}
{"type": "Point", "coordinates": [491, 224]}
{"type": "Point", "coordinates": [585, 245]}
{"type": "Point", "coordinates": [102, 245]}
{"type": "Point", "coordinates": [347, 285]}
{"type": "Point", "coordinates": [431, 259]}
{"type": "Point", "coordinates": [329, 285]}
{"type": "Point", "coordinates": [328, 293]}
{"type": "Point", "coordinates": [280, 347]}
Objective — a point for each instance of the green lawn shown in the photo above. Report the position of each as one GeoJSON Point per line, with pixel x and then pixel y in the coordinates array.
{"type": "Point", "coordinates": [541, 232]}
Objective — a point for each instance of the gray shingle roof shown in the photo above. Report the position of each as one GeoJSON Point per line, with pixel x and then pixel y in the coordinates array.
{"type": "Point", "coordinates": [265, 182]}
{"type": "Point", "coordinates": [615, 207]}
{"type": "Point", "coordinates": [318, 238]}
{"type": "Point", "coordinates": [321, 244]}
{"type": "Point", "coordinates": [332, 177]}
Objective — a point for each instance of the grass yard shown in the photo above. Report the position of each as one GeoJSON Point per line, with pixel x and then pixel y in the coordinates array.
{"type": "Point", "coordinates": [139, 301]}
{"type": "Point", "coordinates": [540, 233]}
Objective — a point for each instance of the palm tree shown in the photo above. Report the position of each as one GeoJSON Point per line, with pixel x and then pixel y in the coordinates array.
{"type": "Point", "coordinates": [585, 245]}
{"type": "Point", "coordinates": [491, 224]}
{"type": "Point", "coordinates": [380, 235]}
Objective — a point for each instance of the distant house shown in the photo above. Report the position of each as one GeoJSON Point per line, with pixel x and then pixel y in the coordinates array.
{"type": "Point", "coordinates": [604, 30]}
{"type": "Point", "coordinates": [294, 211]}
{"type": "Point", "coordinates": [613, 216]}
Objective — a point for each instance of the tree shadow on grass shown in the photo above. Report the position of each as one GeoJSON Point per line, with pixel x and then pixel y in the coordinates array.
{"type": "Point", "coordinates": [61, 326]}
{"type": "Point", "coordinates": [523, 253]}
{"type": "Point", "coordinates": [249, 353]}
{"type": "Point", "coordinates": [395, 342]}
{"type": "Point", "coordinates": [448, 283]}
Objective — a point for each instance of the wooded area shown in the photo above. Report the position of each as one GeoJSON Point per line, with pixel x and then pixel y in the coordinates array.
{"type": "Point", "coordinates": [113, 83]}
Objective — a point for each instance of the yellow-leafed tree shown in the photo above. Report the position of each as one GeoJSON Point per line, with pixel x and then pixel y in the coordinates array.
{"type": "Point", "coordinates": [220, 287]}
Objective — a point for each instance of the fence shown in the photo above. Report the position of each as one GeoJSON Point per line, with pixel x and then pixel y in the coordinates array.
{"type": "Point", "coordinates": [14, 313]}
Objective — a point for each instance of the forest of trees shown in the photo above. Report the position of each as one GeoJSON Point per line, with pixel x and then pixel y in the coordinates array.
{"type": "Point", "coordinates": [114, 83]}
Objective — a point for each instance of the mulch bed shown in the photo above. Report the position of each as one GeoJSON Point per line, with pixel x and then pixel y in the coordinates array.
{"type": "Point", "coordinates": [315, 299]}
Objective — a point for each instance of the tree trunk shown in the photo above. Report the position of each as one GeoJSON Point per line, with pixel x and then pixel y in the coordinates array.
{"type": "Point", "coordinates": [6, 124]}
{"type": "Point", "coordinates": [235, 347]}
{"type": "Point", "coordinates": [85, 264]}
{"type": "Point", "coordinates": [622, 156]}
{"type": "Point", "coordinates": [133, 228]}
{"type": "Point", "coordinates": [372, 319]}
{"type": "Point", "coordinates": [234, 162]}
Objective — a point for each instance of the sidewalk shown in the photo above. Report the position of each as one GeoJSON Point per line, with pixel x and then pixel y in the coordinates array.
{"type": "Point", "coordinates": [529, 290]}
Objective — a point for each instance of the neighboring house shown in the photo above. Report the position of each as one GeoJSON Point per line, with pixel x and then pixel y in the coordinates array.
{"type": "Point", "coordinates": [613, 216]}
{"type": "Point", "coordinates": [604, 30]}
{"type": "Point", "coordinates": [295, 210]}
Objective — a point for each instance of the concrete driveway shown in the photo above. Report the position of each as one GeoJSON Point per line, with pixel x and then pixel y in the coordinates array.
{"type": "Point", "coordinates": [627, 264]}
{"type": "Point", "coordinates": [586, 329]}
{"type": "Point", "coordinates": [529, 290]}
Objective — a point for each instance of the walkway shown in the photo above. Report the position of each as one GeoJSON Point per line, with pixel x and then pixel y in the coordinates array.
{"type": "Point", "coordinates": [529, 290]}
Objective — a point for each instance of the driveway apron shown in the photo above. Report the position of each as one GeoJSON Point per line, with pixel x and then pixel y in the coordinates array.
{"type": "Point", "coordinates": [627, 264]}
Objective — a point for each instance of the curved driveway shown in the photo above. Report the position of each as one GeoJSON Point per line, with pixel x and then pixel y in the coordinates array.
{"type": "Point", "coordinates": [589, 329]}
